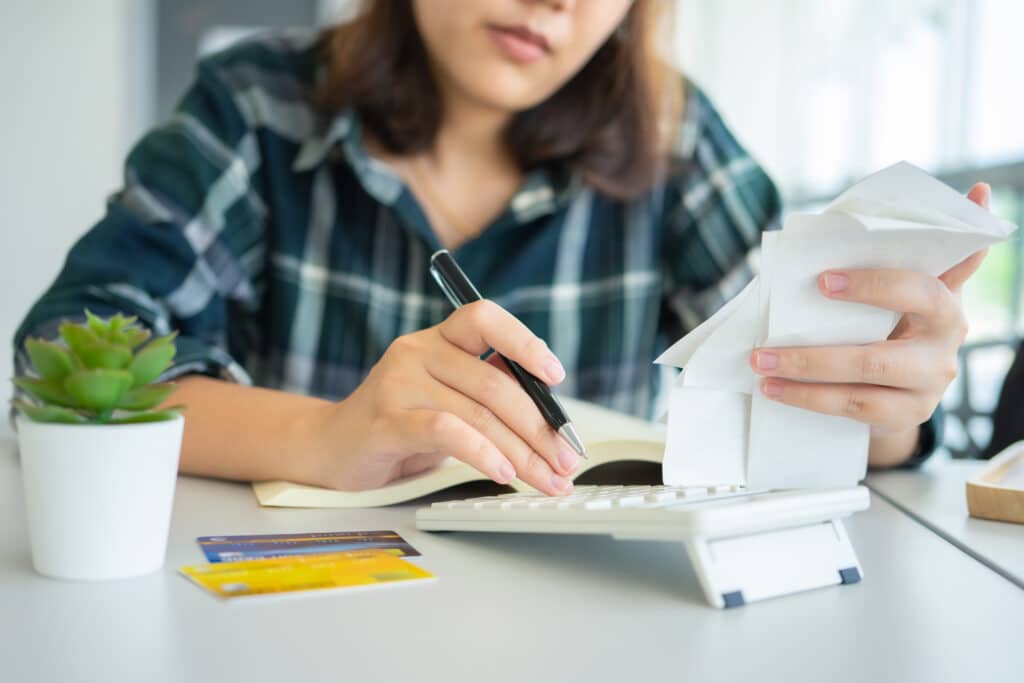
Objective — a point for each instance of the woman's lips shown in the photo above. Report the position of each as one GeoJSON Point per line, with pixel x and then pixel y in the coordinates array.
{"type": "Point", "coordinates": [519, 43]}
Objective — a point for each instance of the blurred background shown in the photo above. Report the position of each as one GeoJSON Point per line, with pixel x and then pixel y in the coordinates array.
{"type": "Point", "coordinates": [821, 92]}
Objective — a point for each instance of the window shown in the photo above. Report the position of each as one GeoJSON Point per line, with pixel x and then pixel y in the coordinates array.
{"type": "Point", "coordinates": [823, 92]}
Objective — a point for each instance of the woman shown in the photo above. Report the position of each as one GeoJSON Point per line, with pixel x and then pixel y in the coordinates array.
{"type": "Point", "coordinates": [283, 219]}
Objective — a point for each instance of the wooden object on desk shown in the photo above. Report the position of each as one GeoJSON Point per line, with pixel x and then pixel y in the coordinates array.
{"type": "Point", "coordinates": [997, 491]}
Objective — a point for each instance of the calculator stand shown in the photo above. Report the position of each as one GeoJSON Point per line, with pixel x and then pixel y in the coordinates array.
{"type": "Point", "coordinates": [740, 569]}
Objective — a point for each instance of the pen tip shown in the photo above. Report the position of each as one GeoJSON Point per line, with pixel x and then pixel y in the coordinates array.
{"type": "Point", "coordinates": [569, 433]}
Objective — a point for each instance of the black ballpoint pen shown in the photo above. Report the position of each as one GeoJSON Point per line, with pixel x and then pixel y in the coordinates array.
{"type": "Point", "coordinates": [460, 291]}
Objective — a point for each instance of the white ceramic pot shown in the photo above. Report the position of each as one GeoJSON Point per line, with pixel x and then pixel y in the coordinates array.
{"type": "Point", "coordinates": [99, 497]}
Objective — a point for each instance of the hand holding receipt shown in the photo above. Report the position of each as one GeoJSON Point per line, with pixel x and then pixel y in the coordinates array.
{"type": "Point", "coordinates": [460, 291]}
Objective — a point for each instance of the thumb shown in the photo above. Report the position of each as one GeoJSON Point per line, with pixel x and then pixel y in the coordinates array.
{"type": "Point", "coordinates": [980, 194]}
{"type": "Point", "coordinates": [956, 276]}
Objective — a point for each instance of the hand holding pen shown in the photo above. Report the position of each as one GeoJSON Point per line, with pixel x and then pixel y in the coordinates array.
{"type": "Point", "coordinates": [460, 292]}
{"type": "Point", "coordinates": [431, 396]}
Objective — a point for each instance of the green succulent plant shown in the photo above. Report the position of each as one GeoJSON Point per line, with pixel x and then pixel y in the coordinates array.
{"type": "Point", "coordinates": [103, 373]}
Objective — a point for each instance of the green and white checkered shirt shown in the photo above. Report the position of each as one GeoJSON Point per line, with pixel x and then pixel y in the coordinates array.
{"type": "Point", "coordinates": [290, 258]}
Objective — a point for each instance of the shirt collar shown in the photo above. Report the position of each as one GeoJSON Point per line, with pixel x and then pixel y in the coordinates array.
{"type": "Point", "coordinates": [542, 192]}
{"type": "Point", "coordinates": [315, 149]}
{"type": "Point", "coordinates": [344, 134]}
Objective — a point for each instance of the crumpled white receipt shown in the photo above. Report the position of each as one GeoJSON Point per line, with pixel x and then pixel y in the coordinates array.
{"type": "Point", "coordinates": [721, 429]}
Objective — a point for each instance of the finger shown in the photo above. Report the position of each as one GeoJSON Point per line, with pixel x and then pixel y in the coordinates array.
{"type": "Point", "coordinates": [956, 276]}
{"type": "Point", "coordinates": [421, 462]}
{"type": "Point", "coordinates": [879, 406]}
{"type": "Point", "coordinates": [903, 291]}
{"type": "Point", "coordinates": [488, 386]}
{"type": "Point", "coordinates": [898, 364]}
{"type": "Point", "coordinates": [483, 325]}
{"type": "Point", "coordinates": [439, 432]}
{"type": "Point", "coordinates": [496, 361]}
{"type": "Point", "coordinates": [980, 194]}
{"type": "Point", "coordinates": [529, 465]}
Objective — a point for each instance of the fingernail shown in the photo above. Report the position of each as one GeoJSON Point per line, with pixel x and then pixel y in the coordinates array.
{"type": "Point", "coordinates": [567, 458]}
{"type": "Point", "coordinates": [506, 473]}
{"type": "Point", "coordinates": [554, 370]}
{"type": "Point", "coordinates": [771, 389]}
{"type": "Point", "coordinates": [836, 282]}
{"type": "Point", "coordinates": [766, 360]}
{"type": "Point", "coordinates": [560, 483]}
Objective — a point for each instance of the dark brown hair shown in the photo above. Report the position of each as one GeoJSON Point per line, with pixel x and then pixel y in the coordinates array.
{"type": "Point", "coordinates": [613, 121]}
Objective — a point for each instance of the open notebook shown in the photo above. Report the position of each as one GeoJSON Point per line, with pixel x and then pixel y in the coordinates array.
{"type": "Point", "coordinates": [609, 437]}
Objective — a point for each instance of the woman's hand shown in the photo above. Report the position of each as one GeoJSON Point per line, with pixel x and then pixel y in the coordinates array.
{"type": "Point", "coordinates": [893, 385]}
{"type": "Point", "coordinates": [431, 396]}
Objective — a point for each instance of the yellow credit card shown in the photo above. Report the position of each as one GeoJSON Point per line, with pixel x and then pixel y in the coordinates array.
{"type": "Point", "coordinates": [303, 573]}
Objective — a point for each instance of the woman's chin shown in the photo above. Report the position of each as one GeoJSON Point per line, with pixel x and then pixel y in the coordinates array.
{"type": "Point", "coordinates": [510, 93]}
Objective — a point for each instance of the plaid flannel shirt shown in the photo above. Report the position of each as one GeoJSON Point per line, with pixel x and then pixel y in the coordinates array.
{"type": "Point", "coordinates": [288, 257]}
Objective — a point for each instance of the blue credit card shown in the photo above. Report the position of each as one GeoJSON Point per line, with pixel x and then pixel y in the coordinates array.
{"type": "Point", "coordinates": [237, 548]}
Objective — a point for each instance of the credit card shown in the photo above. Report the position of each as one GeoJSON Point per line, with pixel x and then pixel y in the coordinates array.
{"type": "Point", "coordinates": [235, 548]}
{"type": "Point", "coordinates": [250, 578]}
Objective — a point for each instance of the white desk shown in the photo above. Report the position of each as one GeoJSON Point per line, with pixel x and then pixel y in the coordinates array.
{"type": "Point", "coordinates": [506, 608]}
{"type": "Point", "coordinates": [935, 496]}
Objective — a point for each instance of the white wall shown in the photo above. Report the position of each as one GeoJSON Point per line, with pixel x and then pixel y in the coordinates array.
{"type": "Point", "coordinates": [75, 77]}
{"type": "Point", "coordinates": [331, 11]}
{"type": "Point", "coordinates": [732, 49]}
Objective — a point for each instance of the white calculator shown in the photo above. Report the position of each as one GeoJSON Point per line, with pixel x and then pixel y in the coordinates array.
{"type": "Point", "coordinates": [745, 545]}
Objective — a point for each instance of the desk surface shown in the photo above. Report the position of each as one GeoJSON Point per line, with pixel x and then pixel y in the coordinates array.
{"type": "Point", "coordinates": [935, 495]}
{"type": "Point", "coordinates": [506, 607]}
